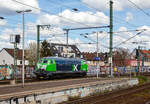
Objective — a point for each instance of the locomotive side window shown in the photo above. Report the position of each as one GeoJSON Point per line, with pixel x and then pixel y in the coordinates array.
{"type": "Point", "coordinates": [65, 62]}
{"type": "Point", "coordinates": [79, 62]}
{"type": "Point", "coordinates": [69, 62]}
{"type": "Point", "coordinates": [57, 62]}
{"type": "Point", "coordinates": [73, 62]}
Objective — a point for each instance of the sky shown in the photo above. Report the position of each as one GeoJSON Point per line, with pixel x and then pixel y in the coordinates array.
{"type": "Point", "coordinates": [60, 14]}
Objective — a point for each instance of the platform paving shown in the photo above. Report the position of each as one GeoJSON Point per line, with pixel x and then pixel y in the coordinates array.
{"type": "Point", "coordinates": [51, 86]}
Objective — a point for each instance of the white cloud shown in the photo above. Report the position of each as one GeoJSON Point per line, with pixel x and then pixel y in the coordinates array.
{"type": "Point", "coordinates": [10, 7]}
{"type": "Point", "coordinates": [74, 19]}
{"type": "Point", "coordinates": [129, 16]}
{"type": "Point", "coordinates": [3, 22]}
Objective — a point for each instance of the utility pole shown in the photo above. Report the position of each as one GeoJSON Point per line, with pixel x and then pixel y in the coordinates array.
{"type": "Point", "coordinates": [139, 60]}
{"type": "Point", "coordinates": [138, 54]}
{"type": "Point", "coordinates": [38, 42]}
{"type": "Point", "coordinates": [23, 63]}
{"type": "Point", "coordinates": [97, 53]}
{"type": "Point", "coordinates": [67, 32]}
{"type": "Point", "coordinates": [67, 43]}
{"type": "Point", "coordinates": [111, 38]}
{"type": "Point", "coordinates": [38, 39]}
{"type": "Point", "coordinates": [14, 39]}
{"type": "Point", "coordinates": [15, 61]}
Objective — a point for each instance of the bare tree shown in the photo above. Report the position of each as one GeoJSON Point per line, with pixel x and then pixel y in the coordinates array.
{"type": "Point", "coordinates": [121, 57]}
{"type": "Point", "coordinates": [31, 53]}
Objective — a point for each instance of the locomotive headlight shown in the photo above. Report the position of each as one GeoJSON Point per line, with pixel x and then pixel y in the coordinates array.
{"type": "Point", "coordinates": [43, 67]}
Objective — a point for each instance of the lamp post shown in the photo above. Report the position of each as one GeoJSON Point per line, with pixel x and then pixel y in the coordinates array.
{"type": "Point", "coordinates": [97, 54]}
{"type": "Point", "coordinates": [2, 18]}
{"type": "Point", "coordinates": [97, 45]}
{"type": "Point", "coordinates": [23, 12]}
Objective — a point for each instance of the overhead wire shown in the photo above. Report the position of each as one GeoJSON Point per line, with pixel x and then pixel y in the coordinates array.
{"type": "Point", "coordinates": [139, 8]}
{"type": "Point", "coordinates": [95, 41]}
{"type": "Point", "coordinates": [45, 11]}
{"type": "Point", "coordinates": [129, 38]}
{"type": "Point", "coordinates": [133, 25]}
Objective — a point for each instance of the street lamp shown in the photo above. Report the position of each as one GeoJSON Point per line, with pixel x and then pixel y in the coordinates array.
{"type": "Point", "coordinates": [23, 12]}
{"type": "Point", "coordinates": [2, 18]}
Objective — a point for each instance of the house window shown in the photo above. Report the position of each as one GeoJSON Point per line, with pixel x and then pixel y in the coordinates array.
{"type": "Point", "coordinates": [60, 49]}
{"type": "Point", "coordinates": [4, 62]}
{"type": "Point", "coordinates": [20, 62]}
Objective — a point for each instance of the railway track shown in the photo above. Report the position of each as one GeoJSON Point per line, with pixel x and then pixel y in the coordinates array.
{"type": "Point", "coordinates": [29, 80]}
{"type": "Point", "coordinates": [104, 98]}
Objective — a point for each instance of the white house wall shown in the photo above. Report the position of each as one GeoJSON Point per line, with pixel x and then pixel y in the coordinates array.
{"type": "Point", "coordinates": [7, 57]}
{"type": "Point", "coordinates": [4, 55]}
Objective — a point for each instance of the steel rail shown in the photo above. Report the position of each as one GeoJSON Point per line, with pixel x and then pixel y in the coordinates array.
{"type": "Point", "coordinates": [97, 99]}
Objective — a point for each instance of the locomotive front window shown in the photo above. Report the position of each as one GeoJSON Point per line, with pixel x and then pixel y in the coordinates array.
{"type": "Point", "coordinates": [40, 61]}
{"type": "Point", "coordinates": [50, 62]}
{"type": "Point", "coordinates": [45, 61]}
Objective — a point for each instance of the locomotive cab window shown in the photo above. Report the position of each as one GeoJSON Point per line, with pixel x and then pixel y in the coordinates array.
{"type": "Point", "coordinates": [50, 61]}
{"type": "Point", "coordinates": [40, 61]}
{"type": "Point", "coordinates": [45, 61]}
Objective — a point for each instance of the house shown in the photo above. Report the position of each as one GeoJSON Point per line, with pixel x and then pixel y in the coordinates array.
{"type": "Point", "coordinates": [7, 57]}
{"type": "Point", "coordinates": [63, 50]}
{"type": "Point", "coordinates": [144, 57]}
{"type": "Point", "coordinates": [137, 59]}
{"type": "Point", "coordinates": [90, 58]}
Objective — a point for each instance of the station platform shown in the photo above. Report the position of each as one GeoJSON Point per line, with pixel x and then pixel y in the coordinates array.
{"type": "Point", "coordinates": [72, 87]}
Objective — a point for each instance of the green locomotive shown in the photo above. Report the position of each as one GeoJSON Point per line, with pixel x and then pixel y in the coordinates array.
{"type": "Point", "coordinates": [49, 67]}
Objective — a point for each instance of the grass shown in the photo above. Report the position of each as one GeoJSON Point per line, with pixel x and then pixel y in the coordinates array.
{"type": "Point", "coordinates": [142, 79]}
{"type": "Point", "coordinates": [73, 98]}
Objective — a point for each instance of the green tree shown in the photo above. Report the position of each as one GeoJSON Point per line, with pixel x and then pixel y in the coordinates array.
{"type": "Point", "coordinates": [45, 49]}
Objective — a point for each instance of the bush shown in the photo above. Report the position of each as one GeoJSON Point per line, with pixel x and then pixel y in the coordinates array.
{"type": "Point", "coordinates": [142, 79]}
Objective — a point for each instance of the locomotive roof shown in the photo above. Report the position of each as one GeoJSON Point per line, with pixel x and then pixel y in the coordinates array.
{"type": "Point", "coordinates": [62, 58]}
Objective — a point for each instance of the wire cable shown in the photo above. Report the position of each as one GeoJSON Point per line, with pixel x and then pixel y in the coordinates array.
{"type": "Point", "coordinates": [139, 8]}
{"type": "Point", "coordinates": [45, 11]}
{"type": "Point", "coordinates": [129, 38]}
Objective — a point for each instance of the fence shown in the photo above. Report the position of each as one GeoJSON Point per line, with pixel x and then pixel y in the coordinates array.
{"type": "Point", "coordinates": [7, 72]}
{"type": "Point", "coordinates": [92, 70]}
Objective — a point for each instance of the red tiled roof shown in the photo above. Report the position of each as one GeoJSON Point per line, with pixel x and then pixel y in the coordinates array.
{"type": "Point", "coordinates": [146, 53]}
{"type": "Point", "coordinates": [11, 52]}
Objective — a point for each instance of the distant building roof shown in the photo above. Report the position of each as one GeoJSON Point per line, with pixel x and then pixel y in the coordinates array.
{"type": "Point", "coordinates": [55, 50]}
{"type": "Point", "coordinates": [90, 56]}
